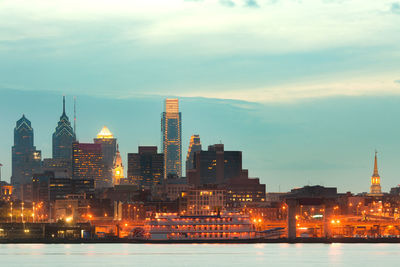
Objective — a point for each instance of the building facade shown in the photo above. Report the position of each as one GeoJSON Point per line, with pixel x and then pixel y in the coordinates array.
{"type": "Point", "coordinates": [26, 160]}
{"type": "Point", "coordinates": [215, 166]}
{"type": "Point", "coordinates": [63, 137]}
{"type": "Point", "coordinates": [205, 202]}
{"type": "Point", "coordinates": [118, 169]}
{"type": "Point", "coordinates": [87, 163]}
{"type": "Point", "coordinates": [171, 128]}
{"type": "Point", "coordinates": [194, 146]}
{"type": "Point", "coordinates": [146, 168]}
{"type": "Point", "coordinates": [61, 167]}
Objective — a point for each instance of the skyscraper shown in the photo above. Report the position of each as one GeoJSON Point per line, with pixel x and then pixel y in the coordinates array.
{"type": "Point", "coordinates": [195, 145]}
{"type": "Point", "coordinates": [63, 137]}
{"type": "Point", "coordinates": [171, 127]}
{"type": "Point", "coordinates": [375, 188]}
{"type": "Point", "coordinates": [145, 168]}
{"type": "Point", "coordinates": [109, 149]}
{"type": "Point", "coordinates": [87, 163]}
{"type": "Point", "coordinates": [26, 160]}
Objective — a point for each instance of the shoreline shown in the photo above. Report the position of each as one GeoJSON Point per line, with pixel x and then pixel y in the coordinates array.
{"type": "Point", "coordinates": [235, 241]}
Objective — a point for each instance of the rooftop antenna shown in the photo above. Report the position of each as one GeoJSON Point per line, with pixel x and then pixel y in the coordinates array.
{"type": "Point", "coordinates": [63, 104]}
{"type": "Point", "coordinates": [75, 116]}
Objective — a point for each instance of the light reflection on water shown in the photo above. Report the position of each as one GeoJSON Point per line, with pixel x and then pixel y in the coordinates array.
{"type": "Point", "coordinates": [73, 255]}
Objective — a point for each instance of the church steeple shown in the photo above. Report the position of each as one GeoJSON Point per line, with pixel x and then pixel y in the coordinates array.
{"type": "Point", "coordinates": [375, 188]}
{"type": "Point", "coordinates": [376, 174]}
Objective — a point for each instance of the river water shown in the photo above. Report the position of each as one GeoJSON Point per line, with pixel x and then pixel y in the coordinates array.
{"type": "Point", "coordinates": [73, 255]}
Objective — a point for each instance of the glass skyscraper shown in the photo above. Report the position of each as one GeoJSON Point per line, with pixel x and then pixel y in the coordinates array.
{"type": "Point", "coordinates": [171, 128]}
{"type": "Point", "coordinates": [26, 160]}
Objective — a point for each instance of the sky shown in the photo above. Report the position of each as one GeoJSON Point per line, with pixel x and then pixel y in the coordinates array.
{"type": "Point", "coordinates": [306, 89]}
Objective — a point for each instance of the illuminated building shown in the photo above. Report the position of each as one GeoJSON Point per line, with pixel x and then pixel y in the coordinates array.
{"type": "Point", "coordinates": [194, 146]}
{"type": "Point", "coordinates": [6, 191]}
{"type": "Point", "coordinates": [205, 201]}
{"type": "Point", "coordinates": [171, 127]}
{"type": "Point", "coordinates": [118, 170]}
{"type": "Point", "coordinates": [375, 188]}
{"type": "Point", "coordinates": [170, 226]}
{"type": "Point", "coordinates": [63, 137]}
{"type": "Point", "coordinates": [145, 168]}
{"type": "Point", "coordinates": [26, 160]}
{"type": "Point", "coordinates": [109, 150]}
{"type": "Point", "coordinates": [244, 190]}
{"type": "Point", "coordinates": [87, 163]}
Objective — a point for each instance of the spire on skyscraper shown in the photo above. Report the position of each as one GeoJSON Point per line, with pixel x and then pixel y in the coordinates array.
{"type": "Point", "coordinates": [63, 105]}
{"type": "Point", "coordinates": [63, 137]}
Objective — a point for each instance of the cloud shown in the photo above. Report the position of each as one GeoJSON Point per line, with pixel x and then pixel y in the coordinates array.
{"type": "Point", "coordinates": [251, 3]}
{"type": "Point", "coordinates": [395, 8]}
{"type": "Point", "coordinates": [397, 81]}
{"type": "Point", "coordinates": [227, 3]}
{"type": "Point", "coordinates": [352, 87]}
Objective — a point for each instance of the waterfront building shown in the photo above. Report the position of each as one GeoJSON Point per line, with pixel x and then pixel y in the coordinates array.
{"type": "Point", "coordinates": [194, 146]}
{"type": "Point", "coordinates": [375, 188]}
{"type": "Point", "coordinates": [87, 163]}
{"type": "Point", "coordinates": [145, 168]}
{"type": "Point", "coordinates": [118, 169]}
{"type": "Point", "coordinates": [171, 128]}
{"type": "Point", "coordinates": [109, 150]}
{"type": "Point", "coordinates": [227, 225]}
{"type": "Point", "coordinates": [26, 160]}
{"type": "Point", "coordinates": [63, 137]}
{"type": "Point", "coordinates": [205, 201]}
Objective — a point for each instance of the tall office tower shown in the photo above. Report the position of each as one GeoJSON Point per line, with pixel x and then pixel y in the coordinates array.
{"type": "Point", "coordinates": [118, 169]}
{"type": "Point", "coordinates": [109, 149]}
{"type": "Point", "coordinates": [145, 168]}
{"type": "Point", "coordinates": [63, 137]}
{"type": "Point", "coordinates": [171, 127]}
{"type": "Point", "coordinates": [194, 146]}
{"type": "Point", "coordinates": [375, 188]}
{"type": "Point", "coordinates": [26, 160]}
{"type": "Point", "coordinates": [87, 163]}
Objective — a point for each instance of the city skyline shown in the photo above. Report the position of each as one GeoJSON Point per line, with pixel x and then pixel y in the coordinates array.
{"type": "Point", "coordinates": [307, 90]}
{"type": "Point", "coordinates": [273, 182]}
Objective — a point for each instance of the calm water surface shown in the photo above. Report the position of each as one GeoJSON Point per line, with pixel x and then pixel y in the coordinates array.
{"type": "Point", "coordinates": [72, 255]}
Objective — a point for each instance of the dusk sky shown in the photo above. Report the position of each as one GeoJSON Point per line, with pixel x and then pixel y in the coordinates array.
{"type": "Point", "coordinates": [306, 89]}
